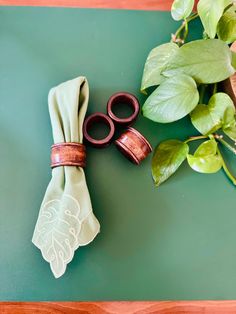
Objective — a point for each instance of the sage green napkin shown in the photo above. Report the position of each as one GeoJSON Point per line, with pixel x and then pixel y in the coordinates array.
{"type": "Point", "coordinates": [66, 220]}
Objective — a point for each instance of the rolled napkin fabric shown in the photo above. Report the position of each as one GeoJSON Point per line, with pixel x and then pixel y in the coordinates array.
{"type": "Point", "coordinates": [66, 219]}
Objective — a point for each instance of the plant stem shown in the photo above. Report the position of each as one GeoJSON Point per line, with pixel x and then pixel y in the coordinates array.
{"type": "Point", "coordinates": [195, 138]}
{"type": "Point", "coordinates": [185, 30]}
{"type": "Point", "coordinates": [218, 137]}
{"type": "Point", "coordinates": [176, 37]}
{"type": "Point", "coordinates": [226, 169]}
{"type": "Point", "coordinates": [192, 17]}
{"type": "Point", "coordinates": [202, 93]}
{"type": "Point", "coordinates": [226, 144]}
{"type": "Point", "coordinates": [215, 88]}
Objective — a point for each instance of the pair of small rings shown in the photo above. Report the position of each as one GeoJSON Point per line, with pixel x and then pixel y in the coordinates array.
{"type": "Point", "coordinates": [110, 119]}
{"type": "Point", "coordinates": [132, 144]}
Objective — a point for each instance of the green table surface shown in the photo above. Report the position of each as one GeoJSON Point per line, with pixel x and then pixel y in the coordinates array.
{"type": "Point", "coordinates": [176, 242]}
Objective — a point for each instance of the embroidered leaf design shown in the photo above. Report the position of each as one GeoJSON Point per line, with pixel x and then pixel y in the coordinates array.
{"type": "Point", "coordinates": [58, 228]}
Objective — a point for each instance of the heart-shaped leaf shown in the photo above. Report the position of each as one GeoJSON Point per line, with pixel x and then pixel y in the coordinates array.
{"type": "Point", "coordinates": [206, 159]}
{"type": "Point", "coordinates": [167, 158]}
{"type": "Point", "coordinates": [207, 148]}
{"type": "Point", "coordinates": [210, 12]}
{"type": "Point", "coordinates": [156, 63]}
{"type": "Point", "coordinates": [172, 100]}
{"type": "Point", "coordinates": [181, 9]}
{"type": "Point", "coordinates": [229, 123]}
{"type": "Point", "coordinates": [210, 118]}
{"type": "Point", "coordinates": [226, 29]}
{"type": "Point", "coordinates": [203, 120]}
{"type": "Point", "coordinates": [207, 61]}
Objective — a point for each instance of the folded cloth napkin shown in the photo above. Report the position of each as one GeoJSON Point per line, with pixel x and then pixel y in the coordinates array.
{"type": "Point", "coordinates": [66, 220]}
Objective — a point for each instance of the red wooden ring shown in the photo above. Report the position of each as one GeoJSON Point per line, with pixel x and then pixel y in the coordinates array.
{"type": "Point", "coordinates": [92, 119]}
{"type": "Point", "coordinates": [68, 154]}
{"type": "Point", "coordinates": [128, 99]}
{"type": "Point", "coordinates": [133, 145]}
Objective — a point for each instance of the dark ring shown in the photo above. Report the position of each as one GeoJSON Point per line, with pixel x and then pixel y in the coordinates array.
{"type": "Point", "coordinates": [68, 154]}
{"type": "Point", "coordinates": [92, 119]}
{"type": "Point", "coordinates": [133, 145]}
{"type": "Point", "coordinates": [127, 98]}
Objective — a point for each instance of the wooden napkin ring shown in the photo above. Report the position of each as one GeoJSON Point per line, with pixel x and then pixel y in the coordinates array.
{"type": "Point", "coordinates": [133, 145]}
{"type": "Point", "coordinates": [68, 154]}
{"type": "Point", "coordinates": [93, 119]}
{"type": "Point", "coordinates": [126, 98]}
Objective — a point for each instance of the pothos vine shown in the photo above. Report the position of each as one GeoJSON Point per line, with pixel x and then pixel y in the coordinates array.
{"type": "Point", "coordinates": [187, 76]}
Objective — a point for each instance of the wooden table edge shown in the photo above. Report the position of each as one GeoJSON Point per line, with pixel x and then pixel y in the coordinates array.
{"type": "Point", "coordinates": [121, 307]}
{"type": "Point", "coordinates": [162, 5]}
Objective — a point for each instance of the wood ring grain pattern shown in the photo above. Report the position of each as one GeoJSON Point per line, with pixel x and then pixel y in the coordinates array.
{"type": "Point", "coordinates": [121, 307]}
{"type": "Point", "coordinates": [68, 154]}
{"type": "Point", "coordinates": [129, 100]}
{"type": "Point", "coordinates": [133, 145]}
{"type": "Point", "coordinates": [93, 119]}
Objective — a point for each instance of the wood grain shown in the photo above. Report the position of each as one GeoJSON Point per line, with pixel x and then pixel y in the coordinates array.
{"type": "Point", "coordinates": [113, 4]}
{"type": "Point", "coordinates": [164, 307]}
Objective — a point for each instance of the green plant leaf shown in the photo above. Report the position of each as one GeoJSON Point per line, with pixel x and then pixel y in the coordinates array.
{"type": "Point", "coordinates": [231, 131]}
{"type": "Point", "coordinates": [203, 120]}
{"type": "Point", "coordinates": [206, 60]}
{"type": "Point", "coordinates": [206, 159]}
{"type": "Point", "coordinates": [207, 148]}
{"type": "Point", "coordinates": [229, 123]}
{"type": "Point", "coordinates": [156, 63]}
{"type": "Point", "coordinates": [172, 100]}
{"type": "Point", "coordinates": [219, 103]}
{"type": "Point", "coordinates": [210, 118]}
{"type": "Point", "coordinates": [210, 12]}
{"type": "Point", "coordinates": [229, 115]}
{"type": "Point", "coordinates": [234, 59]}
{"type": "Point", "coordinates": [167, 158]}
{"type": "Point", "coordinates": [208, 164]}
{"type": "Point", "coordinates": [226, 29]}
{"type": "Point", "coordinates": [181, 9]}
